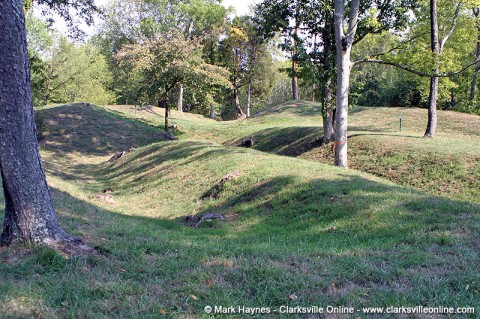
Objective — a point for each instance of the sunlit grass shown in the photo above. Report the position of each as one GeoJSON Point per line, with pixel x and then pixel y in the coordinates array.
{"type": "Point", "coordinates": [293, 227]}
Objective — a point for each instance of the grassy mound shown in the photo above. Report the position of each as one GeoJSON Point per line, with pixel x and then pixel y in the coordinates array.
{"type": "Point", "coordinates": [296, 232]}
{"type": "Point", "coordinates": [90, 130]}
{"type": "Point", "coordinates": [446, 165]}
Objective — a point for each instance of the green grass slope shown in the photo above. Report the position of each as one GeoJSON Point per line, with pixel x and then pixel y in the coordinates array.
{"type": "Point", "coordinates": [297, 232]}
{"type": "Point", "coordinates": [446, 165]}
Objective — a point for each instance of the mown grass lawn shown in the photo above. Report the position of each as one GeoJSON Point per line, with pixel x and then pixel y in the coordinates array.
{"type": "Point", "coordinates": [297, 232]}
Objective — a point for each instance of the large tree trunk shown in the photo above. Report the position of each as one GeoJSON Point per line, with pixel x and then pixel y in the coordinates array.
{"type": "Point", "coordinates": [29, 213]}
{"type": "Point", "coordinates": [180, 99]}
{"type": "Point", "coordinates": [343, 44]}
{"type": "Point", "coordinates": [432, 97]}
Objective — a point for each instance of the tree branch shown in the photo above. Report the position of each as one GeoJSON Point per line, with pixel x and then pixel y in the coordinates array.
{"type": "Point", "coordinates": [452, 27]}
{"type": "Point", "coordinates": [391, 49]}
{"type": "Point", "coordinates": [353, 19]}
{"type": "Point", "coordinates": [419, 73]}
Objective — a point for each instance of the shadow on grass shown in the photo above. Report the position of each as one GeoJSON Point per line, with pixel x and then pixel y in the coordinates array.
{"type": "Point", "coordinates": [376, 243]}
{"type": "Point", "coordinates": [91, 130]}
{"type": "Point", "coordinates": [323, 216]}
{"type": "Point", "coordinates": [295, 141]}
{"type": "Point", "coordinates": [380, 134]}
{"type": "Point", "coordinates": [290, 141]}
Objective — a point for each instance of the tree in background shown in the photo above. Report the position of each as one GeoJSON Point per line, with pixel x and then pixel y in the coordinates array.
{"type": "Point", "coordinates": [234, 57]}
{"type": "Point", "coordinates": [137, 21]}
{"type": "Point", "coordinates": [39, 41]}
{"type": "Point", "coordinates": [319, 26]}
{"type": "Point", "coordinates": [284, 17]}
{"type": "Point", "coordinates": [473, 85]}
{"type": "Point", "coordinates": [437, 45]}
{"type": "Point", "coordinates": [76, 73]}
{"type": "Point", "coordinates": [166, 60]}
{"type": "Point", "coordinates": [448, 29]}
{"type": "Point", "coordinates": [377, 85]}
{"type": "Point", "coordinates": [247, 56]}
{"type": "Point", "coordinates": [64, 72]}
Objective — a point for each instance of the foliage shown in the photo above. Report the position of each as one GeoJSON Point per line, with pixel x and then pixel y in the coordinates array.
{"type": "Point", "coordinates": [137, 22]}
{"type": "Point", "coordinates": [374, 85]}
{"type": "Point", "coordinates": [412, 50]}
{"type": "Point", "coordinates": [76, 73]}
{"type": "Point", "coordinates": [65, 72]}
{"type": "Point", "coordinates": [167, 60]}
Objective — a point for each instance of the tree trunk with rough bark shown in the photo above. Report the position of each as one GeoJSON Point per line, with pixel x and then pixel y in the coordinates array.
{"type": "Point", "coordinates": [180, 98]}
{"type": "Point", "coordinates": [432, 97]}
{"type": "Point", "coordinates": [29, 212]}
{"type": "Point", "coordinates": [343, 44]}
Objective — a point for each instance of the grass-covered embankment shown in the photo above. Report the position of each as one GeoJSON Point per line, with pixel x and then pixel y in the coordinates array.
{"type": "Point", "coordinates": [447, 165]}
{"type": "Point", "coordinates": [294, 228]}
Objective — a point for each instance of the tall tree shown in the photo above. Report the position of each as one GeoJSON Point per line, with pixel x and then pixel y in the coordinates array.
{"type": "Point", "coordinates": [170, 59]}
{"type": "Point", "coordinates": [234, 50]}
{"type": "Point", "coordinates": [295, 37]}
{"type": "Point", "coordinates": [136, 21]}
{"type": "Point", "coordinates": [362, 20]}
{"type": "Point", "coordinates": [473, 84]}
{"type": "Point", "coordinates": [343, 43]}
{"type": "Point", "coordinates": [319, 26]}
{"type": "Point", "coordinates": [314, 18]}
{"type": "Point", "coordinates": [76, 73]}
{"type": "Point", "coordinates": [437, 47]}
{"type": "Point", "coordinates": [29, 213]}
{"type": "Point", "coordinates": [285, 16]}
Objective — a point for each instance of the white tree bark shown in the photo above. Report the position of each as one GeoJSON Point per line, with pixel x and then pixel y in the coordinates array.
{"type": "Point", "coordinates": [180, 98]}
{"type": "Point", "coordinates": [343, 43]}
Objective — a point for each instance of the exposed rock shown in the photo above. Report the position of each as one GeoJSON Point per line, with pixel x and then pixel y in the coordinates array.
{"type": "Point", "coordinates": [195, 220]}
{"type": "Point", "coordinates": [120, 154]}
{"type": "Point", "coordinates": [248, 142]}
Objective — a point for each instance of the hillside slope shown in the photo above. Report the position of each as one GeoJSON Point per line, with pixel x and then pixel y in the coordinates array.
{"type": "Point", "coordinates": [296, 232]}
{"type": "Point", "coordinates": [446, 165]}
